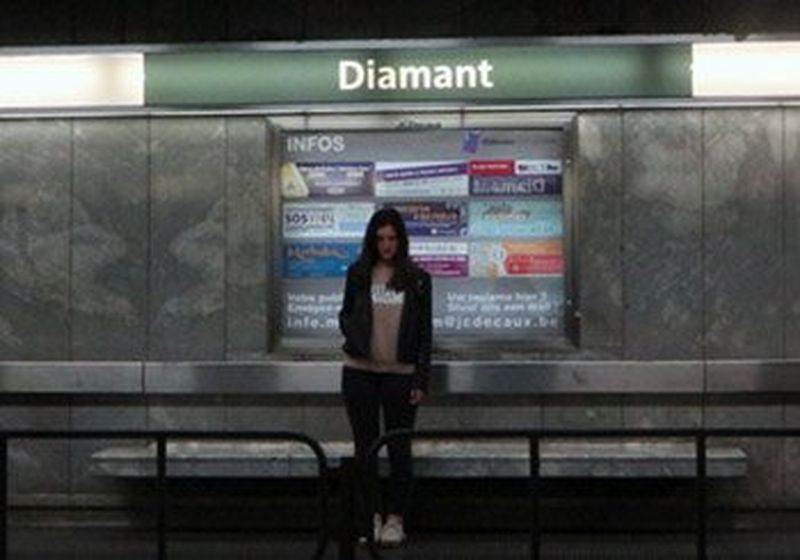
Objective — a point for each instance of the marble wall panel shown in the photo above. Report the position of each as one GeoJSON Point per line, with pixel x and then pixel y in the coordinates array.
{"type": "Point", "coordinates": [185, 417]}
{"type": "Point", "coordinates": [187, 247]}
{"type": "Point", "coordinates": [107, 417]}
{"type": "Point", "coordinates": [264, 417]}
{"type": "Point", "coordinates": [517, 417]}
{"type": "Point", "coordinates": [27, 417]}
{"type": "Point", "coordinates": [791, 415]}
{"type": "Point", "coordinates": [743, 230]}
{"type": "Point", "coordinates": [247, 199]}
{"type": "Point", "coordinates": [662, 235]}
{"type": "Point", "coordinates": [599, 239]}
{"type": "Point", "coordinates": [791, 454]}
{"type": "Point", "coordinates": [39, 466]}
{"type": "Point", "coordinates": [327, 422]}
{"type": "Point", "coordinates": [479, 417]}
{"type": "Point", "coordinates": [661, 415]}
{"type": "Point", "coordinates": [791, 470]}
{"type": "Point", "coordinates": [439, 417]}
{"type": "Point", "coordinates": [35, 169]}
{"type": "Point", "coordinates": [764, 484]}
{"type": "Point", "coordinates": [728, 415]}
{"type": "Point", "coordinates": [108, 303]}
{"type": "Point", "coordinates": [791, 234]}
{"type": "Point", "coordinates": [558, 414]}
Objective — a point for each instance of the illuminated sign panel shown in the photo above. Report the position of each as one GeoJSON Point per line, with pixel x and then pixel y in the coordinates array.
{"type": "Point", "coordinates": [514, 73]}
{"type": "Point", "coordinates": [483, 209]}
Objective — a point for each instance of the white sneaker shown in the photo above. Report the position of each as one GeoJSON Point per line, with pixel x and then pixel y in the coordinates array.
{"type": "Point", "coordinates": [392, 533]}
{"type": "Point", "coordinates": [377, 526]}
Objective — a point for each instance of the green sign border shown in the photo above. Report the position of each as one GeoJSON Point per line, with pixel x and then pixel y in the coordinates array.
{"type": "Point", "coordinates": [519, 74]}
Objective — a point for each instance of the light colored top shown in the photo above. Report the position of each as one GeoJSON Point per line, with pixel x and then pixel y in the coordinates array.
{"type": "Point", "coordinates": [387, 310]}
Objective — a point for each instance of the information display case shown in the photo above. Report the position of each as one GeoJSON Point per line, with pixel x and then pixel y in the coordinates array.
{"type": "Point", "coordinates": [487, 216]}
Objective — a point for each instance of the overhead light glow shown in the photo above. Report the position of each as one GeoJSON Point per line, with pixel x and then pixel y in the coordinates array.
{"type": "Point", "coordinates": [759, 69]}
{"type": "Point", "coordinates": [45, 81]}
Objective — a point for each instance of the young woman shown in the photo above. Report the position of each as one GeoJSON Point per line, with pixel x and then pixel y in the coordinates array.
{"type": "Point", "coordinates": [386, 322]}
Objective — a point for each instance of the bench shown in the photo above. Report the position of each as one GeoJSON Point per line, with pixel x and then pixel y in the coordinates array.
{"type": "Point", "coordinates": [434, 458]}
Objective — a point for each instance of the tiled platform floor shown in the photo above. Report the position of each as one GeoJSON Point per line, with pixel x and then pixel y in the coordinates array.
{"type": "Point", "coordinates": [93, 543]}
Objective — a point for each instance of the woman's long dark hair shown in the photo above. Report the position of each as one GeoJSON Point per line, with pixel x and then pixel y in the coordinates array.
{"type": "Point", "coordinates": [403, 275]}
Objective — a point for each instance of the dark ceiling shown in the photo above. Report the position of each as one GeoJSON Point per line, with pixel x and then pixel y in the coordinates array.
{"type": "Point", "coordinates": [40, 22]}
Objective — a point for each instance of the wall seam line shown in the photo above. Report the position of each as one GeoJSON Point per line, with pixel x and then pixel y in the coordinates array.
{"type": "Point", "coordinates": [70, 243]}
{"type": "Point", "coordinates": [621, 249]}
{"type": "Point", "coordinates": [149, 243]}
{"type": "Point", "coordinates": [226, 281]}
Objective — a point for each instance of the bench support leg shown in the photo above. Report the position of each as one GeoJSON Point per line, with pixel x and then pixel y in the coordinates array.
{"type": "Point", "coordinates": [347, 531]}
{"type": "Point", "coordinates": [700, 454]}
{"type": "Point", "coordinates": [161, 491]}
{"type": "Point", "coordinates": [535, 489]}
{"type": "Point", "coordinates": [4, 498]}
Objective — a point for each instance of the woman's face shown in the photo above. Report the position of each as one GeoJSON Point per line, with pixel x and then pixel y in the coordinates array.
{"type": "Point", "coordinates": [387, 243]}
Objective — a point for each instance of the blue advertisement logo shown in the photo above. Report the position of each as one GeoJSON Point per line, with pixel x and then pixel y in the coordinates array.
{"type": "Point", "coordinates": [471, 140]}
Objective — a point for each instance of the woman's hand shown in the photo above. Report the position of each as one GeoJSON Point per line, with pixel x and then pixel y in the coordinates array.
{"type": "Point", "coordinates": [417, 396]}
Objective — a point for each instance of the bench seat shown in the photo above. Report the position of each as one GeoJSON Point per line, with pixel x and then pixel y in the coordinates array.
{"type": "Point", "coordinates": [447, 459]}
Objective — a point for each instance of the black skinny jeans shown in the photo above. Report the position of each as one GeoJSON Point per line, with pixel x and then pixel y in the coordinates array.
{"type": "Point", "coordinates": [365, 394]}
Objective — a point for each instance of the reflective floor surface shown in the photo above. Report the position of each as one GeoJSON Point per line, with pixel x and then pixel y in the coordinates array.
{"type": "Point", "coordinates": [92, 543]}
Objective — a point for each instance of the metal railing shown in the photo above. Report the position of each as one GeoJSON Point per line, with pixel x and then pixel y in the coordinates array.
{"type": "Point", "coordinates": [698, 435]}
{"type": "Point", "coordinates": [161, 438]}
{"type": "Point", "coordinates": [346, 533]}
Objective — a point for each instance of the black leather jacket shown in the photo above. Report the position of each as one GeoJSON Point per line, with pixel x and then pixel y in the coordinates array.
{"type": "Point", "coordinates": [414, 338]}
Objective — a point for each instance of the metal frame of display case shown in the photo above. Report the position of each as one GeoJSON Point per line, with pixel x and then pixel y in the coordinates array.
{"type": "Point", "coordinates": [414, 119]}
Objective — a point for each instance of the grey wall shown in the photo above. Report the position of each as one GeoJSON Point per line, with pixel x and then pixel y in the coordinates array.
{"type": "Point", "coordinates": [131, 239]}
{"type": "Point", "coordinates": [146, 239]}
{"type": "Point", "coordinates": [688, 239]}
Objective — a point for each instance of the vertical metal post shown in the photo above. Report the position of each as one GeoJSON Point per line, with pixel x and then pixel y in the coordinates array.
{"type": "Point", "coordinates": [347, 532]}
{"type": "Point", "coordinates": [161, 489]}
{"type": "Point", "coordinates": [4, 497]}
{"type": "Point", "coordinates": [322, 489]}
{"type": "Point", "coordinates": [534, 490]}
{"type": "Point", "coordinates": [700, 455]}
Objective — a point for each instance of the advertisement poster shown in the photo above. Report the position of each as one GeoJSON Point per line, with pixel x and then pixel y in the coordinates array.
{"type": "Point", "coordinates": [427, 179]}
{"type": "Point", "coordinates": [515, 185]}
{"type": "Point", "coordinates": [484, 210]}
{"type": "Point", "coordinates": [514, 178]}
{"type": "Point", "coordinates": [318, 260]}
{"type": "Point", "coordinates": [433, 219]}
{"type": "Point", "coordinates": [515, 218]}
{"type": "Point", "coordinates": [331, 179]}
{"type": "Point", "coordinates": [442, 259]}
{"type": "Point", "coordinates": [340, 220]}
{"type": "Point", "coordinates": [497, 259]}
{"type": "Point", "coordinates": [503, 309]}
{"type": "Point", "coordinates": [311, 307]}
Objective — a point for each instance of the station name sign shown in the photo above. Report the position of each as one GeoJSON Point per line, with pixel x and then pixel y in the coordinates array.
{"type": "Point", "coordinates": [523, 73]}
{"type": "Point", "coordinates": [355, 74]}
